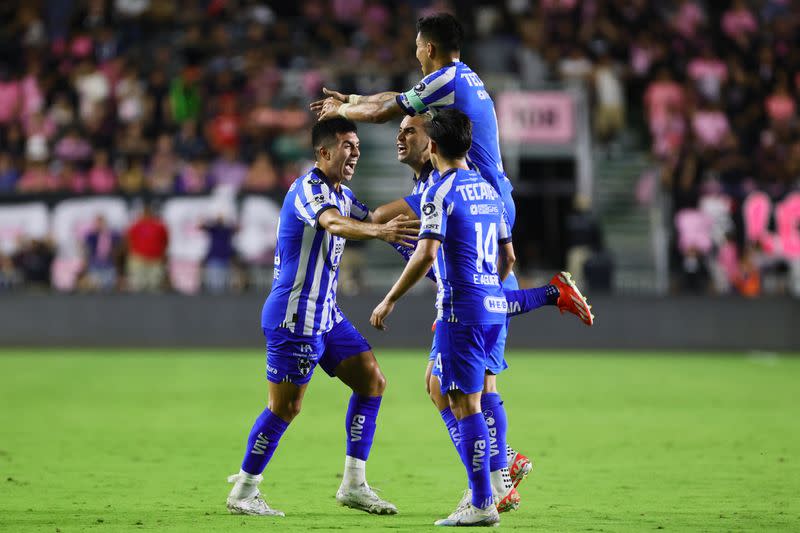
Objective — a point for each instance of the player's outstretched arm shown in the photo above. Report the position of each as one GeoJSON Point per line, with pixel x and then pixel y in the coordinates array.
{"type": "Point", "coordinates": [506, 260]}
{"type": "Point", "coordinates": [399, 230]}
{"type": "Point", "coordinates": [378, 108]}
{"type": "Point", "coordinates": [415, 270]}
{"type": "Point", "coordinates": [387, 212]}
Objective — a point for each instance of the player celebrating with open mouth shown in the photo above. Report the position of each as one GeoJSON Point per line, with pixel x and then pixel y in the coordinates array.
{"type": "Point", "coordinates": [304, 326]}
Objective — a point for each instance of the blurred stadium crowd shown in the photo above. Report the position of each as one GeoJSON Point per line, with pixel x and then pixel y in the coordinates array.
{"type": "Point", "coordinates": [156, 98]}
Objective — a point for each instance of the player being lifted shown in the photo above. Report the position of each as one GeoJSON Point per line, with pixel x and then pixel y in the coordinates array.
{"type": "Point", "coordinates": [466, 237]}
{"type": "Point", "coordinates": [304, 326]}
{"type": "Point", "coordinates": [449, 83]}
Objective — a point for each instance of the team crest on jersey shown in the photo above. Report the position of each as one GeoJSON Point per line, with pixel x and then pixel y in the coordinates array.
{"type": "Point", "coordinates": [418, 88]}
{"type": "Point", "coordinates": [303, 366]}
{"type": "Point", "coordinates": [428, 209]}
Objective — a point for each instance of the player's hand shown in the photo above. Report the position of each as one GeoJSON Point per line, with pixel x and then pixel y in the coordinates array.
{"type": "Point", "coordinates": [400, 230]}
{"type": "Point", "coordinates": [328, 109]}
{"type": "Point", "coordinates": [316, 107]}
{"type": "Point", "coordinates": [379, 314]}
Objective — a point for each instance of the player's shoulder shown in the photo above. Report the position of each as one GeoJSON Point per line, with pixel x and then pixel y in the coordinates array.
{"type": "Point", "coordinates": [310, 183]}
{"type": "Point", "coordinates": [446, 72]}
{"type": "Point", "coordinates": [348, 192]}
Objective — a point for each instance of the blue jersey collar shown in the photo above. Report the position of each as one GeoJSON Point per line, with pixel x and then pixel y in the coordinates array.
{"type": "Point", "coordinates": [424, 173]}
{"type": "Point", "coordinates": [321, 175]}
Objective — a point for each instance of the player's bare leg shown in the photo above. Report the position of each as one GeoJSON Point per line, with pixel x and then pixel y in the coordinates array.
{"type": "Point", "coordinates": [285, 401]}
{"type": "Point", "coordinates": [363, 375]}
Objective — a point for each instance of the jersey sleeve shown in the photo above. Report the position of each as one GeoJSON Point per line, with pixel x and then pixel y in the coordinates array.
{"type": "Point", "coordinates": [358, 209]}
{"type": "Point", "coordinates": [434, 208]}
{"type": "Point", "coordinates": [504, 234]}
{"type": "Point", "coordinates": [435, 90]}
{"type": "Point", "coordinates": [414, 201]}
{"type": "Point", "coordinates": [312, 199]}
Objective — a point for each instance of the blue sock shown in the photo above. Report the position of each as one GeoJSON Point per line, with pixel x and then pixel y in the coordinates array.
{"type": "Point", "coordinates": [495, 415]}
{"type": "Point", "coordinates": [360, 424]}
{"type": "Point", "coordinates": [262, 441]}
{"type": "Point", "coordinates": [450, 421]}
{"type": "Point", "coordinates": [475, 446]}
{"type": "Point", "coordinates": [523, 301]}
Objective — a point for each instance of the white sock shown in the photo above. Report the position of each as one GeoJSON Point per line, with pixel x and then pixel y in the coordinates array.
{"type": "Point", "coordinates": [246, 486]}
{"type": "Point", "coordinates": [501, 482]}
{"type": "Point", "coordinates": [355, 472]}
{"type": "Point", "coordinates": [510, 454]}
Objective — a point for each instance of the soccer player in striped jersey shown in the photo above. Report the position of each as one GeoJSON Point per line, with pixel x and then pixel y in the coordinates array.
{"type": "Point", "coordinates": [465, 234]}
{"type": "Point", "coordinates": [304, 326]}
{"type": "Point", "coordinates": [449, 83]}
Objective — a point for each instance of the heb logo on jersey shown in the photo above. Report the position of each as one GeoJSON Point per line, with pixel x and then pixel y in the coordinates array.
{"type": "Point", "coordinates": [419, 88]}
{"type": "Point", "coordinates": [428, 209]}
{"type": "Point", "coordinates": [495, 304]}
{"type": "Point", "coordinates": [477, 191]}
{"type": "Point", "coordinates": [319, 199]}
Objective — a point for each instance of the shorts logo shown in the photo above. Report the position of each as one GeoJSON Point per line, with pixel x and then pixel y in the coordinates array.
{"type": "Point", "coordinates": [303, 366]}
{"type": "Point", "coordinates": [428, 209]}
{"type": "Point", "coordinates": [418, 88]}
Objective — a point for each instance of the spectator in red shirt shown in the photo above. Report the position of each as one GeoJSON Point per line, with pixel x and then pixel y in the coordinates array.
{"type": "Point", "coordinates": [147, 249]}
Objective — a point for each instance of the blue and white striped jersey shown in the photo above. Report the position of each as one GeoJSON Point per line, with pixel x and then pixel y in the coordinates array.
{"type": "Point", "coordinates": [303, 296]}
{"type": "Point", "coordinates": [456, 85]}
{"type": "Point", "coordinates": [427, 177]}
{"type": "Point", "coordinates": [466, 214]}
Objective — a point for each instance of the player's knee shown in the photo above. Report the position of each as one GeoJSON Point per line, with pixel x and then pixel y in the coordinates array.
{"type": "Point", "coordinates": [378, 384]}
{"type": "Point", "coordinates": [287, 410]}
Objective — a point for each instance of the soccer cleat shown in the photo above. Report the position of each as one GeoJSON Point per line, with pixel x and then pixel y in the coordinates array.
{"type": "Point", "coordinates": [519, 467]}
{"type": "Point", "coordinates": [465, 501]}
{"type": "Point", "coordinates": [570, 298]}
{"type": "Point", "coordinates": [509, 502]}
{"type": "Point", "coordinates": [252, 505]}
{"type": "Point", "coordinates": [471, 516]}
{"type": "Point", "coordinates": [364, 498]}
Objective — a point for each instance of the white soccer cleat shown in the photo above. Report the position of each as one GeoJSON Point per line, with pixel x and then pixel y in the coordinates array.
{"type": "Point", "coordinates": [251, 505]}
{"type": "Point", "coordinates": [471, 516]}
{"type": "Point", "coordinates": [465, 501]}
{"type": "Point", "coordinates": [362, 497]}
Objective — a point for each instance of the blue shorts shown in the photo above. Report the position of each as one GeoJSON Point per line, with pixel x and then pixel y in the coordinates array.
{"type": "Point", "coordinates": [496, 361]}
{"type": "Point", "coordinates": [463, 358]}
{"type": "Point", "coordinates": [292, 358]}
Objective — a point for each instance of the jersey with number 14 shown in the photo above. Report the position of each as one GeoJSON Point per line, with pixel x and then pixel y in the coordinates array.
{"type": "Point", "coordinates": [466, 214]}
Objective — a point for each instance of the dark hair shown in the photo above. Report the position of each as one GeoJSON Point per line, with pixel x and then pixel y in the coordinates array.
{"type": "Point", "coordinates": [324, 132]}
{"type": "Point", "coordinates": [451, 130]}
{"type": "Point", "coordinates": [442, 29]}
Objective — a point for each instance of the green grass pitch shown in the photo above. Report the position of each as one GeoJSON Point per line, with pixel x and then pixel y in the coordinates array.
{"type": "Point", "coordinates": [143, 440]}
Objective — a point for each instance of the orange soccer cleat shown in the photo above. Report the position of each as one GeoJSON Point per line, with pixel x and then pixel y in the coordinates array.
{"type": "Point", "coordinates": [509, 502]}
{"type": "Point", "coordinates": [519, 467]}
{"type": "Point", "coordinates": [570, 298]}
